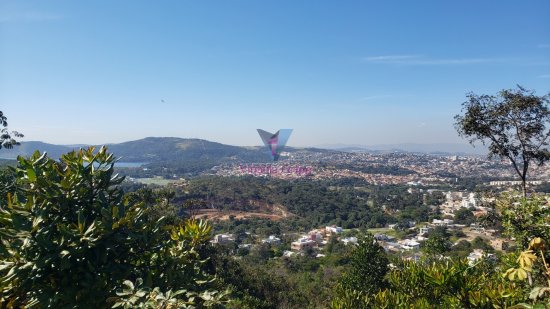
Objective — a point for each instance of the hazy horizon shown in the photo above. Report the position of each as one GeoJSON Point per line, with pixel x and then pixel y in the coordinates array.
{"type": "Point", "coordinates": [364, 73]}
{"type": "Point", "coordinates": [455, 148]}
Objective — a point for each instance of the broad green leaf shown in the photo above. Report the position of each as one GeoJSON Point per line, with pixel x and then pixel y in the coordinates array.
{"type": "Point", "coordinates": [31, 175]}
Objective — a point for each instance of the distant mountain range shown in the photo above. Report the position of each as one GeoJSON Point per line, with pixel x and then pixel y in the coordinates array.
{"type": "Point", "coordinates": [171, 150]}
{"type": "Point", "coordinates": [150, 149]}
{"type": "Point", "coordinates": [436, 148]}
{"type": "Point", "coordinates": [174, 149]}
{"type": "Point", "coordinates": [28, 148]}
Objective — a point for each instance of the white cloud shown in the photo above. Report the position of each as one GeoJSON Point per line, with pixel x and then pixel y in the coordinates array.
{"type": "Point", "coordinates": [544, 76]}
{"type": "Point", "coordinates": [390, 58]}
{"type": "Point", "coordinates": [419, 60]}
{"type": "Point", "coordinates": [546, 45]}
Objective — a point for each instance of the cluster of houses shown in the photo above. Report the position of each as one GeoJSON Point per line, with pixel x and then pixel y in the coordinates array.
{"type": "Point", "coordinates": [457, 200]}
{"type": "Point", "coordinates": [477, 255]}
{"type": "Point", "coordinates": [390, 244]}
{"type": "Point", "coordinates": [315, 238]}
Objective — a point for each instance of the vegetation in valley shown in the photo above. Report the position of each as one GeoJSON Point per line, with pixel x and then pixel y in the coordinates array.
{"type": "Point", "coordinates": [67, 226]}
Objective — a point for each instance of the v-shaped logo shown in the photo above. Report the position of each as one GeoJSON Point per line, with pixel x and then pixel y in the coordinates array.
{"type": "Point", "coordinates": [275, 142]}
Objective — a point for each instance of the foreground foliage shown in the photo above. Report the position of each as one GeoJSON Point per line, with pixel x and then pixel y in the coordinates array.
{"type": "Point", "coordinates": [368, 266]}
{"type": "Point", "coordinates": [70, 239]}
{"type": "Point", "coordinates": [524, 219]}
{"type": "Point", "coordinates": [440, 284]}
{"type": "Point", "coordinates": [516, 280]}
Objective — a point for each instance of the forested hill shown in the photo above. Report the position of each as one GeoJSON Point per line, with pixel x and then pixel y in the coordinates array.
{"type": "Point", "coordinates": [163, 149]}
{"type": "Point", "coordinates": [157, 150]}
{"type": "Point", "coordinates": [28, 148]}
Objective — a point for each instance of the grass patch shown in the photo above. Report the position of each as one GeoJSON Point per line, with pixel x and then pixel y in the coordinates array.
{"type": "Point", "coordinates": [154, 181]}
{"type": "Point", "coordinates": [384, 230]}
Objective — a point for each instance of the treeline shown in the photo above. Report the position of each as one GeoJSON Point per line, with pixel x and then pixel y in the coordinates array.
{"type": "Point", "coordinates": [350, 204]}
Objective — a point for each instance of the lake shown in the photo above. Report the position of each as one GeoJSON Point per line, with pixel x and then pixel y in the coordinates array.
{"type": "Point", "coordinates": [130, 164]}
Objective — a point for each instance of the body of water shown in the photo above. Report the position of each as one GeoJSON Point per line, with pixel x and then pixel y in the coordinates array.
{"type": "Point", "coordinates": [127, 164]}
{"type": "Point", "coordinates": [130, 164]}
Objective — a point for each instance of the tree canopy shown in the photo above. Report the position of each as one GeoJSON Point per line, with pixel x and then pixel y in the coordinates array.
{"type": "Point", "coordinates": [514, 123]}
{"type": "Point", "coordinates": [70, 239]}
{"type": "Point", "coordinates": [368, 266]}
{"type": "Point", "coordinates": [7, 138]}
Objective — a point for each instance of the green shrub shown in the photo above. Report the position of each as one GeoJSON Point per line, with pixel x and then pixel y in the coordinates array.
{"type": "Point", "coordinates": [69, 239]}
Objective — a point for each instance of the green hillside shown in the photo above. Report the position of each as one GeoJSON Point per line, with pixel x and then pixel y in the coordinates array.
{"type": "Point", "coordinates": [180, 155]}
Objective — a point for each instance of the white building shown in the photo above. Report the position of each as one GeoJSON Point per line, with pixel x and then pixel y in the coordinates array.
{"type": "Point", "coordinates": [477, 228]}
{"type": "Point", "coordinates": [223, 238]}
{"type": "Point", "coordinates": [381, 237]}
{"type": "Point", "coordinates": [443, 222]}
{"type": "Point", "coordinates": [477, 255]}
{"type": "Point", "coordinates": [333, 229]}
{"type": "Point", "coordinates": [469, 201]}
{"type": "Point", "coordinates": [391, 246]}
{"type": "Point", "coordinates": [424, 230]}
{"type": "Point", "coordinates": [350, 240]}
{"type": "Point", "coordinates": [288, 253]}
{"type": "Point", "coordinates": [316, 236]}
{"type": "Point", "coordinates": [514, 182]}
{"type": "Point", "coordinates": [409, 244]}
{"type": "Point", "coordinates": [302, 244]}
{"type": "Point", "coordinates": [272, 240]}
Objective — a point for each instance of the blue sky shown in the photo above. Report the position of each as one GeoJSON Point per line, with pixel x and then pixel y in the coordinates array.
{"type": "Point", "coordinates": [350, 72]}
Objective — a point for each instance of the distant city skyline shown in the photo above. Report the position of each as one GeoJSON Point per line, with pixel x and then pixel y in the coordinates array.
{"type": "Point", "coordinates": [358, 72]}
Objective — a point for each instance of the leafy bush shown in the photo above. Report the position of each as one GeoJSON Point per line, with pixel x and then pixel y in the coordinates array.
{"type": "Point", "coordinates": [69, 238]}
{"type": "Point", "coordinates": [368, 266]}
{"type": "Point", "coordinates": [518, 279]}
{"type": "Point", "coordinates": [534, 269]}
{"type": "Point", "coordinates": [525, 218]}
{"type": "Point", "coordinates": [436, 284]}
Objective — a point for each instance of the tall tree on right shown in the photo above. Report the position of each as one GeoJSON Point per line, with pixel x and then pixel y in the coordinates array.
{"type": "Point", "coordinates": [514, 123]}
